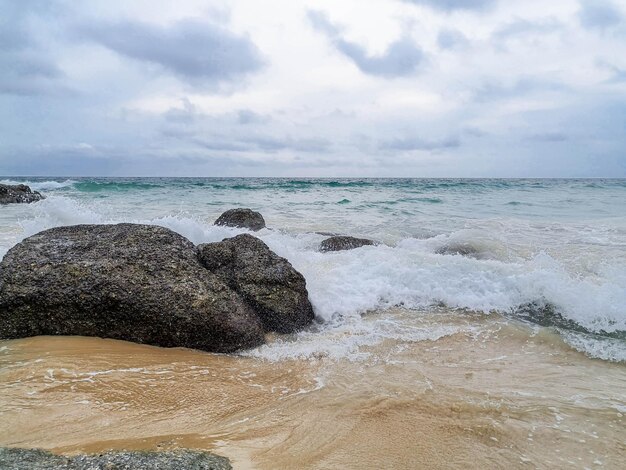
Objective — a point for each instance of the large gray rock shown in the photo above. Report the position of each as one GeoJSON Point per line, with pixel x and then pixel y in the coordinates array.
{"type": "Point", "coordinates": [18, 193]}
{"type": "Point", "coordinates": [131, 282]}
{"type": "Point", "coordinates": [339, 243]}
{"type": "Point", "coordinates": [272, 287]}
{"type": "Point", "coordinates": [35, 459]}
{"type": "Point", "coordinates": [241, 218]}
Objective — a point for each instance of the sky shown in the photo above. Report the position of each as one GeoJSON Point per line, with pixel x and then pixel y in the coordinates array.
{"type": "Point", "coordinates": [375, 88]}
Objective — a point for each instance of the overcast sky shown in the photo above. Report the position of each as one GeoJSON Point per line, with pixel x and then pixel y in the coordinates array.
{"type": "Point", "coordinates": [432, 88]}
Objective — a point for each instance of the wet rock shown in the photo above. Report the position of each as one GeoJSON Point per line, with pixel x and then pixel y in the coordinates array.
{"type": "Point", "coordinates": [131, 282]}
{"type": "Point", "coordinates": [339, 243]}
{"type": "Point", "coordinates": [241, 218]}
{"type": "Point", "coordinates": [547, 314]}
{"type": "Point", "coordinates": [463, 249]}
{"type": "Point", "coordinates": [269, 283]}
{"type": "Point", "coordinates": [36, 459]}
{"type": "Point", "coordinates": [18, 193]}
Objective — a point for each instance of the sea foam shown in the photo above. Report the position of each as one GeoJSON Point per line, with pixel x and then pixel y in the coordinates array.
{"type": "Point", "coordinates": [344, 285]}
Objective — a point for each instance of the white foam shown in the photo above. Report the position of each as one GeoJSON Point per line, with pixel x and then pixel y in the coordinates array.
{"type": "Point", "coordinates": [608, 349]}
{"type": "Point", "coordinates": [345, 339]}
{"type": "Point", "coordinates": [343, 285]}
{"type": "Point", "coordinates": [42, 185]}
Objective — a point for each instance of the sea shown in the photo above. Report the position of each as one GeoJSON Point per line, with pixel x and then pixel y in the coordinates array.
{"type": "Point", "coordinates": [486, 328]}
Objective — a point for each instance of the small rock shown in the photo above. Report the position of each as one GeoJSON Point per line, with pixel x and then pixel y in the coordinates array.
{"type": "Point", "coordinates": [18, 193]}
{"type": "Point", "coordinates": [37, 459]}
{"type": "Point", "coordinates": [241, 218]}
{"type": "Point", "coordinates": [269, 283]}
{"type": "Point", "coordinates": [547, 314]}
{"type": "Point", "coordinates": [340, 243]}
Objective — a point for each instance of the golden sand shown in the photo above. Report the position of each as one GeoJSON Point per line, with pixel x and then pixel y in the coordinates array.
{"type": "Point", "coordinates": [499, 397]}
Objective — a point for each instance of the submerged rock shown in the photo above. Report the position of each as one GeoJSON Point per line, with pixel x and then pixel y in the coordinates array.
{"type": "Point", "coordinates": [241, 218]}
{"type": "Point", "coordinates": [131, 282]}
{"type": "Point", "coordinates": [36, 459]}
{"type": "Point", "coordinates": [463, 249]}
{"type": "Point", "coordinates": [339, 243]}
{"type": "Point", "coordinates": [546, 314]}
{"type": "Point", "coordinates": [269, 283]}
{"type": "Point", "coordinates": [18, 193]}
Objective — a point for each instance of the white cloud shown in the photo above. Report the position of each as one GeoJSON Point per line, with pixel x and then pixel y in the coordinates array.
{"type": "Point", "coordinates": [402, 87]}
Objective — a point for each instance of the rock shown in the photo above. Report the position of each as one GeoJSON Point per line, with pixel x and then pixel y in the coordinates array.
{"type": "Point", "coordinates": [344, 243]}
{"type": "Point", "coordinates": [131, 282]}
{"type": "Point", "coordinates": [241, 218]}
{"type": "Point", "coordinates": [271, 286]}
{"type": "Point", "coordinates": [547, 314]}
{"type": "Point", "coordinates": [36, 459]}
{"type": "Point", "coordinates": [18, 193]}
{"type": "Point", "coordinates": [463, 249]}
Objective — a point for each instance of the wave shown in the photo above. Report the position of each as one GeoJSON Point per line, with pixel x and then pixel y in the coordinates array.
{"type": "Point", "coordinates": [37, 185]}
{"type": "Point", "coordinates": [344, 285]}
{"type": "Point", "coordinates": [118, 186]}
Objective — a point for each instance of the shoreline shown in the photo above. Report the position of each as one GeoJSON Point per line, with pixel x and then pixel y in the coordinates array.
{"type": "Point", "coordinates": [493, 393]}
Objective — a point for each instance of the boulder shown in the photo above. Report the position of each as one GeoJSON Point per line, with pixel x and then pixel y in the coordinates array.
{"type": "Point", "coordinates": [270, 285]}
{"type": "Point", "coordinates": [36, 459]}
{"type": "Point", "coordinates": [340, 243]}
{"type": "Point", "coordinates": [15, 193]}
{"type": "Point", "coordinates": [241, 218]}
{"type": "Point", "coordinates": [131, 282]}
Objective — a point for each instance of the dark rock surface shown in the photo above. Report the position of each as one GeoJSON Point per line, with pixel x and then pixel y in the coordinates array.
{"type": "Point", "coordinates": [339, 243]}
{"type": "Point", "coordinates": [241, 218]}
{"type": "Point", "coordinates": [272, 287]}
{"type": "Point", "coordinates": [546, 314]}
{"type": "Point", "coordinates": [138, 283]}
{"type": "Point", "coordinates": [18, 193]}
{"type": "Point", "coordinates": [35, 459]}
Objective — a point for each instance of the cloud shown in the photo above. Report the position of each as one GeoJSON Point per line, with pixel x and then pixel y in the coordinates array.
{"type": "Point", "coordinates": [452, 5]}
{"type": "Point", "coordinates": [417, 143]}
{"type": "Point", "coordinates": [451, 39]}
{"type": "Point", "coordinates": [185, 115]}
{"type": "Point", "coordinates": [246, 116]}
{"type": "Point", "coordinates": [599, 14]}
{"type": "Point", "coordinates": [26, 68]}
{"type": "Point", "coordinates": [243, 131]}
{"type": "Point", "coordinates": [547, 137]}
{"type": "Point", "coordinates": [262, 143]}
{"type": "Point", "coordinates": [402, 57]}
{"type": "Point", "coordinates": [466, 109]}
{"type": "Point", "coordinates": [199, 53]}
{"type": "Point", "coordinates": [523, 27]}
{"type": "Point", "coordinates": [520, 87]}
{"type": "Point", "coordinates": [27, 73]}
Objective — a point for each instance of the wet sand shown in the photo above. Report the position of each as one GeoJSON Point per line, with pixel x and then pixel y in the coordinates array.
{"type": "Point", "coordinates": [493, 395]}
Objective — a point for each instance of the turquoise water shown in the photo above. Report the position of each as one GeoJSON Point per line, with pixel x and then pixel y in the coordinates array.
{"type": "Point", "coordinates": [555, 242]}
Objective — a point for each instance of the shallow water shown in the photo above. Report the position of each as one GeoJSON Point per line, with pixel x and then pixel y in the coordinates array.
{"type": "Point", "coordinates": [486, 394]}
{"type": "Point", "coordinates": [418, 359]}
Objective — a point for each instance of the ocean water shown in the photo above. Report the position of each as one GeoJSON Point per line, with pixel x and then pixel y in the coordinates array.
{"type": "Point", "coordinates": [556, 243]}
{"type": "Point", "coordinates": [485, 330]}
